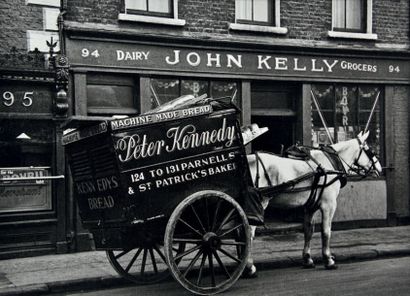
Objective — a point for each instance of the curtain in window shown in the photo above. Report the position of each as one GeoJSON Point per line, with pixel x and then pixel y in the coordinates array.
{"type": "Point", "coordinates": [136, 4]}
{"type": "Point", "coordinates": [243, 9]}
{"type": "Point", "coordinates": [261, 10]}
{"type": "Point", "coordinates": [162, 6]}
{"type": "Point", "coordinates": [348, 14]}
{"type": "Point", "coordinates": [254, 10]}
{"type": "Point", "coordinates": [354, 14]}
{"type": "Point", "coordinates": [159, 6]}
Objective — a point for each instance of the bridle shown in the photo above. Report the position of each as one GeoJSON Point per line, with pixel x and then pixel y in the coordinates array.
{"type": "Point", "coordinates": [359, 169]}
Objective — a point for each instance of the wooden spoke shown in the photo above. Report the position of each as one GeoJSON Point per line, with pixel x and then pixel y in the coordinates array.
{"type": "Point", "coordinates": [179, 256]}
{"type": "Point", "coordinates": [232, 243]}
{"type": "Point", "coordinates": [192, 263]}
{"type": "Point", "coordinates": [133, 260]}
{"type": "Point", "coordinates": [211, 269]}
{"type": "Point", "coordinates": [144, 261]}
{"type": "Point", "coordinates": [187, 240]}
{"type": "Point", "coordinates": [122, 254]}
{"type": "Point", "coordinates": [160, 253]}
{"type": "Point", "coordinates": [201, 268]}
{"type": "Point", "coordinates": [190, 227]}
{"type": "Point", "coordinates": [218, 259]}
{"type": "Point", "coordinates": [229, 255]}
{"type": "Point", "coordinates": [154, 263]}
{"type": "Point", "coordinates": [230, 230]}
{"type": "Point", "coordinates": [199, 220]}
{"type": "Point", "coordinates": [225, 220]}
{"type": "Point", "coordinates": [207, 214]}
{"type": "Point", "coordinates": [218, 204]}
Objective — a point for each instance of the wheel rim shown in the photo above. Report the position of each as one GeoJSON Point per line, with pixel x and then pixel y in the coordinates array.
{"type": "Point", "coordinates": [143, 265]}
{"type": "Point", "coordinates": [215, 232]}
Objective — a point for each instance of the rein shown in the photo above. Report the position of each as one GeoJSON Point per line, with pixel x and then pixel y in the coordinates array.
{"type": "Point", "coordinates": [289, 187]}
{"type": "Point", "coordinates": [356, 167]}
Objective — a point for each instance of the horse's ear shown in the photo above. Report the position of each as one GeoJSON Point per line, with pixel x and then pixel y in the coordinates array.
{"type": "Point", "coordinates": [363, 137]}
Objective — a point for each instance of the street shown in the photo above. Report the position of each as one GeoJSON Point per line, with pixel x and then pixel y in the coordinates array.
{"type": "Point", "coordinates": [376, 277]}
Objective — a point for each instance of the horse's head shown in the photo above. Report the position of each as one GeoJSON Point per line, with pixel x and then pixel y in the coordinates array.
{"type": "Point", "coordinates": [366, 161]}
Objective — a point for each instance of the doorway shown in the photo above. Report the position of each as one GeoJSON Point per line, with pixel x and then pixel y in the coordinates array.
{"type": "Point", "coordinates": [274, 105]}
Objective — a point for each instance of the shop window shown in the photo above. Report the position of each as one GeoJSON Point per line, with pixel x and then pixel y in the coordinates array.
{"type": "Point", "coordinates": [26, 149]}
{"type": "Point", "coordinates": [346, 110]}
{"type": "Point", "coordinates": [352, 19]}
{"type": "Point", "coordinates": [165, 90]}
{"type": "Point", "coordinates": [110, 95]}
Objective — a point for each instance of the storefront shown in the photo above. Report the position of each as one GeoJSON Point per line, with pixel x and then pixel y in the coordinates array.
{"type": "Point", "coordinates": [272, 86]}
{"type": "Point", "coordinates": [32, 188]}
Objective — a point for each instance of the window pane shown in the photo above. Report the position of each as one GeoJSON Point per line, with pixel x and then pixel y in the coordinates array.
{"type": "Point", "coordinates": [261, 10]}
{"type": "Point", "coordinates": [194, 87]}
{"type": "Point", "coordinates": [136, 4]}
{"type": "Point", "coordinates": [243, 9]}
{"type": "Point", "coordinates": [159, 6]}
{"type": "Point", "coordinates": [220, 89]}
{"type": "Point", "coordinates": [354, 14]}
{"type": "Point", "coordinates": [163, 90]}
{"type": "Point", "coordinates": [367, 98]}
{"type": "Point", "coordinates": [110, 99]}
{"type": "Point", "coordinates": [346, 112]}
{"type": "Point", "coordinates": [324, 96]}
{"type": "Point", "coordinates": [25, 143]}
{"type": "Point", "coordinates": [339, 17]}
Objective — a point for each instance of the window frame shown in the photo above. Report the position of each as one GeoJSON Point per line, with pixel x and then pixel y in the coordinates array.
{"type": "Point", "coordinates": [363, 18]}
{"type": "Point", "coordinates": [208, 81]}
{"type": "Point", "coordinates": [271, 15]}
{"type": "Point", "coordinates": [367, 22]}
{"type": "Point", "coordinates": [272, 27]}
{"type": "Point", "coordinates": [169, 19]}
{"type": "Point", "coordinates": [105, 79]}
{"type": "Point", "coordinates": [382, 113]}
{"type": "Point", "coordinates": [151, 13]}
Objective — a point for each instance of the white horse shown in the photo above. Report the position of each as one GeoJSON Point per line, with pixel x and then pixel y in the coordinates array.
{"type": "Point", "coordinates": [269, 170]}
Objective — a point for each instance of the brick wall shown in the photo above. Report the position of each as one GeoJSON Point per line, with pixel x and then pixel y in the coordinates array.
{"type": "Point", "coordinates": [305, 20]}
{"type": "Point", "coordinates": [15, 19]}
{"type": "Point", "coordinates": [400, 103]}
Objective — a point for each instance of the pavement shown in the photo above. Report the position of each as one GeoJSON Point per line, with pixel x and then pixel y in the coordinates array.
{"type": "Point", "coordinates": [271, 249]}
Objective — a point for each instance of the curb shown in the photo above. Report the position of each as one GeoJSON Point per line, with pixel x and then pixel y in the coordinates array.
{"type": "Point", "coordinates": [111, 281]}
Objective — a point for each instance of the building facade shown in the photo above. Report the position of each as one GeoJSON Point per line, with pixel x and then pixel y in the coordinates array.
{"type": "Point", "coordinates": [286, 64]}
{"type": "Point", "coordinates": [32, 186]}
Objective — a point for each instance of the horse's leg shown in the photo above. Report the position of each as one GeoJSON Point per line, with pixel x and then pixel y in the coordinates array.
{"type": "Point", "coordinates": [308, 229]}
{"type": "Point", "coordinates": [328, 210]}
{"type": "Point", "coordinates": [250, 269]}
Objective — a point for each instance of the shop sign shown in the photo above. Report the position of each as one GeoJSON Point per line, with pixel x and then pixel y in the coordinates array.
{"type": "Point", "coordinates": [25, 98]}
{"type": "Point", "coordinates": [18, 195]}
{"type": "Point", "coordinates": [250, 63]}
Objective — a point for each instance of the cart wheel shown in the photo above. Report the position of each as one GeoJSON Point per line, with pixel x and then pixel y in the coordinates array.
{"type": "Point", "coordinates": [217, 236]}
{"type": "Point", "coordinates": [143, 265]}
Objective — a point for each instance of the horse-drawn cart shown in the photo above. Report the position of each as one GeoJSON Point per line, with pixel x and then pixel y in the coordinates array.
{"type": "Point", "coordinates": [164, 192]}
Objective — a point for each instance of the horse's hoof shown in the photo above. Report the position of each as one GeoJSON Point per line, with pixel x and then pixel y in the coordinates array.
{"type": "Point", "coordinates": [249, 273]}
{"type": "Point", "coordinates": [309, 265]}
{"type": "Point", "coordinates": [331, 267]}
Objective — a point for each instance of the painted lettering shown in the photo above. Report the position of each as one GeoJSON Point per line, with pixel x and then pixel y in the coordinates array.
{"type": "Point", "coordinates": [176, 58]}
{"type": "Point", "coordinates": [216, 59]}
{"type": "Point", "coordinates": [263, 61]}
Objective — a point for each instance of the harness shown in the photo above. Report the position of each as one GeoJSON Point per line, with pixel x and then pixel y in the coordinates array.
{"type": "Point", "coordinates": [316, 190]}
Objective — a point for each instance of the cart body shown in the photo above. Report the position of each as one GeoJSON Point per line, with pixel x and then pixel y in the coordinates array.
{"type": "Point", "coordinates": [130, 174]}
